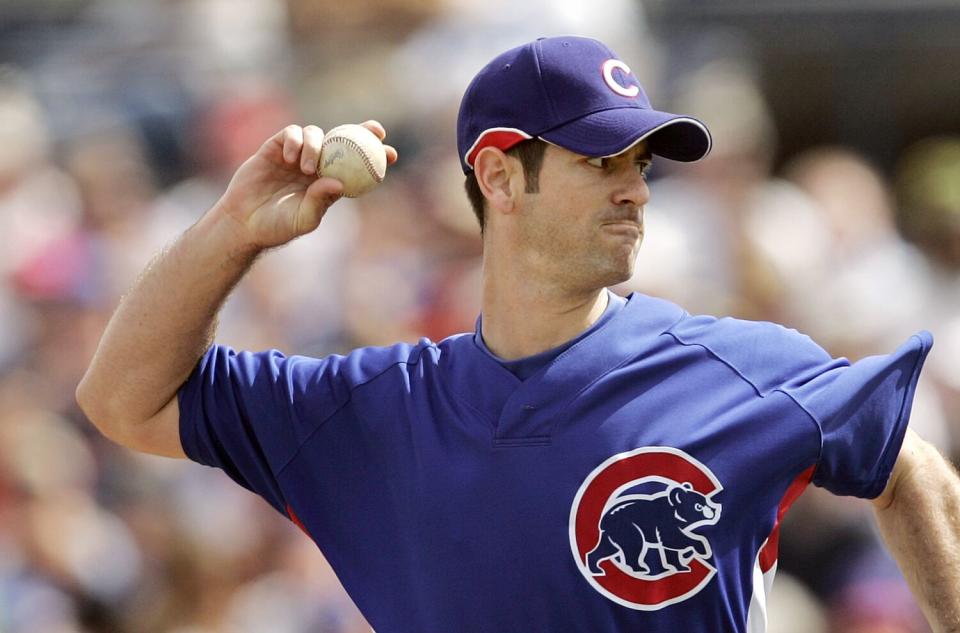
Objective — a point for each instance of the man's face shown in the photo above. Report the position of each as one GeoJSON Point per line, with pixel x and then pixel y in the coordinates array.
{"type": "Point", "coordinates": [584, 227]}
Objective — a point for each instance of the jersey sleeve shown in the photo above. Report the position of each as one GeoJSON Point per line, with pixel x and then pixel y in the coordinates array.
{"type": "Point", "coordinates": [859, 411]}
{"type": "Point", "coordinates": [862, 411]}
{"type": "Point", "coordinates": [244, 412]}
{"type": "Point", "coordinates": [249, 413]}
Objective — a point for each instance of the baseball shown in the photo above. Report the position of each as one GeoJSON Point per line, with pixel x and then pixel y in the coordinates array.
{"type": "Point", "coordinates": [355, 156]}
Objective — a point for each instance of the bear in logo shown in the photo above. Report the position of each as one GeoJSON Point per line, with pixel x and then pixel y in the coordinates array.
{"type": "Point", "coordinates": [663, 521]}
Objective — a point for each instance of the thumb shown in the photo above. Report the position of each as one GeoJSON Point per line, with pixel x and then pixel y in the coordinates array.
{"type": "Point", "coordinates": [318, 197]}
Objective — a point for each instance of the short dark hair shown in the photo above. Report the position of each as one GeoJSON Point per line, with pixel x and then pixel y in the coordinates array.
{"type": "Point", "coordinates": [530, 153]}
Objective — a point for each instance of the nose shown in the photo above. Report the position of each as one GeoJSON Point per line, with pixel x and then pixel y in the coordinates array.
{"type": "Point", "coordinates": [632, 189]}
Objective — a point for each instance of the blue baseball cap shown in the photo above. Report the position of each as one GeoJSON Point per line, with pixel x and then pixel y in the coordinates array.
{"type": "Point", "coordinates": [573, 92]}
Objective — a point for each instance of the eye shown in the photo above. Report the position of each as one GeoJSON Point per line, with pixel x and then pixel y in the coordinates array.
{"type": "Point", "coordinates": [597, 162]}
{"type": "Point", "coordinates": [643, 166]}
{"type": "Point", "coordinates": [698, 506]}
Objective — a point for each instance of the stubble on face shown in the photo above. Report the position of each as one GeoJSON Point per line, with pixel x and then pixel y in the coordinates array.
{"type": "Point", "coordinates": [571, 232]}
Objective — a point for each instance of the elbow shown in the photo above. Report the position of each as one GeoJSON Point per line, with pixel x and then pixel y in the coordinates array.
{"type": "Point", "coordinates": [87, 401]}
{"type": "Point", "coordinates": [96, 409]}
{"type": "Point", "coordinates": [121, 423]}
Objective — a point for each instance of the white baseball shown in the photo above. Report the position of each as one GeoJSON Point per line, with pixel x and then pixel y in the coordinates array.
{"type": "Point", "coordinates": [355, 156]}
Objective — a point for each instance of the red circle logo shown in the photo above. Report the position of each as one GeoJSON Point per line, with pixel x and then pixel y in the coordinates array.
{"type": "Point", "coordinates": [633, 527]}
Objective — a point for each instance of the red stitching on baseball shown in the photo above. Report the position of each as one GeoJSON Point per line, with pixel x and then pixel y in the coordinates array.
{"type": "Point", "coordinates": [353, 145]}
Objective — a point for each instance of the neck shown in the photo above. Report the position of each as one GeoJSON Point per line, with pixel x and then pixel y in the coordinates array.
{"type": "Point", "coordinates": [522, 317]}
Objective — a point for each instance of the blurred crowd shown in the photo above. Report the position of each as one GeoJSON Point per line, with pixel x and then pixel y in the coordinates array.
{"type": "Point", "coordinates": [122, 122]}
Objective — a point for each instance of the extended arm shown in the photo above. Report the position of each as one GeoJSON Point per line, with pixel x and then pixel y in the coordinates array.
{"type": "Point", "coordinates": [919, 517]}
{"type": "Point", "coordinates": [168, 319]}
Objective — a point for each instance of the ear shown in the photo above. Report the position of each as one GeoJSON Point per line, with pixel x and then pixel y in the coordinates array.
{"type": "Point", "coordinates": [675, 495]}
{"type": "Point", "coordinates": [496, 175]}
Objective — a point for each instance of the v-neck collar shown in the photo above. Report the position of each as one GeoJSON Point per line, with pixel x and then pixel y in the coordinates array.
{"type": "Point", "coordinates": [523, 412]}
{"type": "Point", "coordinates": [527, 367]}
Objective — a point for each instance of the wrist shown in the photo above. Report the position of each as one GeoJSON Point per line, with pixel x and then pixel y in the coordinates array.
{"type": "Point", "coordinates": [231, 236]}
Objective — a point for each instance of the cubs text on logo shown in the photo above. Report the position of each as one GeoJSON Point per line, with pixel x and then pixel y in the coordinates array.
{"type": "Point", "coordinates": [633, 527]}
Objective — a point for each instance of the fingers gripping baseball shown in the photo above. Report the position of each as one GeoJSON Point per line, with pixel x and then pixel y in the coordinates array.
{"type": "Point", "coordinates": [301, 151]}
{"type": "Point", "coordinates": [381, 133]}
{"type": "Point", "coordinates": [291, 139]}
{"type": "Point", "coordinates": [313, 144]}
{"type": "Point", "coordinates": [378, 130]}
{"type": "Point", "coordinates": [307, 143]}
{"type": "Point", "coordinates": [276, 195]}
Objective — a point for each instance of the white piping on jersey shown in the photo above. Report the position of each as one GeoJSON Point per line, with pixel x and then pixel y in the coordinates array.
{"type": "Point", "coordinates": [762, 584]}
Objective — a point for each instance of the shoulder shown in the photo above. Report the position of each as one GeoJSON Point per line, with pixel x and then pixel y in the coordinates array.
{"type": "Point", "coordinates": [364, 364]}
{"type": "Point", "coordinates": [765, 354]}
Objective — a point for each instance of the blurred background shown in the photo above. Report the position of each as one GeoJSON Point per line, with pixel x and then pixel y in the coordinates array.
{"type": "Point", "coordinates": [830, 203]}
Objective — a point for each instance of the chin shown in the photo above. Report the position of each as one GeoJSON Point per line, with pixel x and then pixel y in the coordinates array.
{"type": "Point", "coordinates": [623, 264]}
{"type": "Point", "coordinates": [604, 266]}
{"type": "Point", "coordinates": [620, 277]}
{"type": "Point", "coordinates": [617, 273]}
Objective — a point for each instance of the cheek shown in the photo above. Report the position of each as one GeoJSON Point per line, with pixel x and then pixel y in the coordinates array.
{"type": "Point", "coordinates": [561, 216]}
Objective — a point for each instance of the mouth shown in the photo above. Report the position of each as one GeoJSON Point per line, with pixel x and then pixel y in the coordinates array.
{"type": "Point", "coordinates": [624, 227]}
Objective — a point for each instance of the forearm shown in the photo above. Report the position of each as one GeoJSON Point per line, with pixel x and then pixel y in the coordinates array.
{"type": "Point", "coordinates": [167, 321]}
{"type": "Point", "coordinates": [921, 526]}
{"type": "Point", "coordinates": [164, 324]}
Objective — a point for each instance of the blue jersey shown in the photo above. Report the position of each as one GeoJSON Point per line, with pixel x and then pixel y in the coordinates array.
{"type": "Point", "coordinates": [634, 483]}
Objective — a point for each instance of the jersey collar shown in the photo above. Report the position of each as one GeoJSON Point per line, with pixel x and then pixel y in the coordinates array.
{"type": "Point", "coordinates": [525, 412]}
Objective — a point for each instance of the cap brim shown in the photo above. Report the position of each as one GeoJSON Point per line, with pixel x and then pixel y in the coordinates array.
{"type": "Point", "coordinates": [610, 132]}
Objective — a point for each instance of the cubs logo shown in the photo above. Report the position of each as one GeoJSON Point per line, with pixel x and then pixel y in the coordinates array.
{"type": "Point", "coordinates": [607, 70]}
{"type": "Point", "coordinates": [634, 527]}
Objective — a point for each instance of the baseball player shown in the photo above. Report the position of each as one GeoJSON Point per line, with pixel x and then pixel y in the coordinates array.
{"type": "Point", "coordinates": [580, 462]}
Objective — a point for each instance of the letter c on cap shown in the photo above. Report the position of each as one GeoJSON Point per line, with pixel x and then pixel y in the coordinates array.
{"type": "Point", "coordinates": [626, 91]}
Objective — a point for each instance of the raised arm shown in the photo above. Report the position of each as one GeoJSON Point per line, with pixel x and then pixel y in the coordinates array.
{"type": "Point", "coordinates": [919, 517]}
{"type": "Point", "coordinates": [167, 320]}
